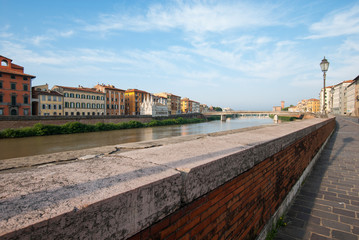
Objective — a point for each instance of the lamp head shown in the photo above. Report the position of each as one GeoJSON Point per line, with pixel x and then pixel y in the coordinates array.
{"type": "Point", "coordinates": [324, 65]}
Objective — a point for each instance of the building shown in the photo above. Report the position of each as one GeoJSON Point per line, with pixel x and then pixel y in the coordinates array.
{"type": "Point", "coordinates": [82, 101]}
{"type": "Point", "coordinates": [203, 108]}
{"type": "Point", "coordinates": [115, 99]}
{"type": "Point", "coordinates": [154, 106]}
{"type": "Point", "coordinates": [46, 102]}
{"type": "Point", "coordinates": [328, 99]}
{"type": "Point", "coordinates": [15, 89]}
{"type": "Point", "coordinates": [173, 102]}
{"type": "Point", "coordinates": [338, 105]}
{"type": "Point", "coordinates": [186, 105]}
{"type": "Point", "coordinates": [196, 107]}
{"type": "Point", "coordinates": [277, 108]}
{"type": "Point", "coordinates": [313, 105]}
{"type": "Point", "coordinates": [133, 100]}
{"type": "Point", "coordinates": [352, 98]}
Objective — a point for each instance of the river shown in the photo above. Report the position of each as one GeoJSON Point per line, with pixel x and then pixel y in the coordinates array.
{"type": "Point", "coordinates": [21, 147]}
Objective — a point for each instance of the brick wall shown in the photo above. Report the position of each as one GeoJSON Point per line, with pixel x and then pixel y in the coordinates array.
{"type": "Point", "coordinates": [240, 208]}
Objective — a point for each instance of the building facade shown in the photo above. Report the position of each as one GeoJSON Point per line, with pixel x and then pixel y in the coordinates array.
{"type": "Point", "coordinates": [338, 105]}
{"type": "Point", "coordinates": [352, 98]}
{"type": "Point", "coordinates": [154, 106]}
{"type": "Point", "coordinates": [115, 99]}
{"type": "Point", "coordinates": [46, 102]}
{"type": "Point", "coordinates": [15, 89]}
{"type": "Point", "coordinates": [186, 105]}
{"type": "Point", "coordinates": [82, 101]}
{"type": "Point", "coordinates": [133, 100]}
{"type": "Point", "coordinates": [173, 102]}
{"type": "Point", "coordinates": [313, 105]}
{"type": "Point", "coordinates": [203, 108]}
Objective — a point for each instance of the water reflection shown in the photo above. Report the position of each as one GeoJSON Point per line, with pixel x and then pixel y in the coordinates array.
{"type": "Point", "coordinates": [20, 147]}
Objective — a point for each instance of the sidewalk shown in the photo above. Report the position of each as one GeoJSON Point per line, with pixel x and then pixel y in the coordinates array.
{"type": "Point", "coordinates": [327, 206]}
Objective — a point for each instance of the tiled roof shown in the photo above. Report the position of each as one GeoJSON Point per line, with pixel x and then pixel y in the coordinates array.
{"type": "Point", "coordinates": [82, 89]}
{"type": "Point", "coordinates": [6, 70]}
{"type": "Point", "coordinates": [50, 92]}
{"type": "Point", "coordinates": [135, 90]}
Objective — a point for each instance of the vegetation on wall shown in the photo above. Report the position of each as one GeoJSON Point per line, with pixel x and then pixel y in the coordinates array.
{"type": "Point", "coordinates": [284, 118]}
{"type": "Point", "coordinates": [40, 129]}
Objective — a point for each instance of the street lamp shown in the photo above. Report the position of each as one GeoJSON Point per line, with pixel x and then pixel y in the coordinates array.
{"type": "Point", "coordinates": [324, 65]}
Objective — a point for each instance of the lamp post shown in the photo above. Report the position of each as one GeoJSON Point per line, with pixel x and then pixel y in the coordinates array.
{"type": "Point", "coordinates": [324, 65]}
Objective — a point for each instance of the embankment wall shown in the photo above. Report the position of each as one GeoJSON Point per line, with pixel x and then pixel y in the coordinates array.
{"type": "Point", "coordinates": [29, 121]}
{"type": "Point", "coordinates": [214, 187]}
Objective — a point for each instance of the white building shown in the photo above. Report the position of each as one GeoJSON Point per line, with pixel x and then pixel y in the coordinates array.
{"type": "Point", "coordinates": [339, 103]}
{"type": "Point", "coordinates": [351, 95]}
{"type": "Point", "coordinates": [195, 107]}
{"type": "Point", "coordinates": [328, 99]}
{"type": "Point", "coordinates": [154, 106]}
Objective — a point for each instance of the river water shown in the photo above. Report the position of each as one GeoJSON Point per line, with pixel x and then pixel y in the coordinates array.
{"type": "Point", "coordinates": [21, 147]}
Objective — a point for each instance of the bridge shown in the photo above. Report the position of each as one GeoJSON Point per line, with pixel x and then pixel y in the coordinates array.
{"type": "Point", "coordinates": [248, 114]}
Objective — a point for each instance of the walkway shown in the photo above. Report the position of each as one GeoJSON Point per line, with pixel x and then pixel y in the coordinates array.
{"type": "Point", "coordinates": [327, 206]}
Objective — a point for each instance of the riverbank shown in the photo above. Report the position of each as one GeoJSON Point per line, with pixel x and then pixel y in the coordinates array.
{"type": "Point", "coordinates": [40, 129]}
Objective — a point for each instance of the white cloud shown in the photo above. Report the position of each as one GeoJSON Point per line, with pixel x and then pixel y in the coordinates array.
{"type": "Point", "coordinates": [197, 17]}
{"type": "Point", "coordinates": [337, 23]}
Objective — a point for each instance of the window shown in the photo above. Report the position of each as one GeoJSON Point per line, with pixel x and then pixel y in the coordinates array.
{"type": "Point", "coordinates": [88, 96]}
{"type": "Point", "coordinates": [78, 113]}
{"type": "Point", "coordinates": [55, 106]}
{"type": "Point", "coordinates": [83, 105]}
{"type": "Point", "coordinates": [72, 95]}
{"type": "Point", "coordinates": [93, 97]}
{"type": "Point", "coordinates": [77, 105]}
{"type": "Point", "coordinates": [25, 87]}
{"type": "Point", "coordinates": [13, 86]}
{"type": "Point", "coordinates": [98, 98]}
{"type": "Point", "coordinates": [43, 97]}
{"type": "Point", "coordinates": [60, 107]}
{"type": "Point", "coordinates": [93, 105]}
{"type": "Point", "coordinates": [72, 105]}
{"type": "Point", "coordinates": [0, 84]}
{"type": "Point", "coordinates": [108, 99]}
{"type": "Point", "coordinates": [43, 106]}
{"type": "Point", "coordinates": [77, 95]}
{"type": "Point", "coordinates": [54, 98]}
{"type": "Point", "coordinates": [55, 113]}
{"type": "Point", "coordinates": [88, 105]}
{"type": "Point", "coordinates": [66, 113]}
{"type": "Point", "coordinates": [72, 113]}
{"type": "Point", "coordinates": [1, 111]}
{"type": "Point", "coordinates": [4, 63]}
{"type": "Point", "coordinates": [13, 76]}
{"type": "Point", "coordinates": [108, 106]}
{"type": "Point", "coordinates": [26, 99]}
{"type": "Point", "coordinates": [49, 106]}
{"type": "Point", "coordinates": [1, 98]}
{"type": "Point", "coordinates": [25, 78]}
{"type": "Point", "coordinates": [98, 105]}
{"type": "Point", "coordinates": [26, 111]}
{"type": "Point", "coordinates": [83, 113]}
{"type": "Point", "coordinates": [67, 104]}
{"type": "Point", "coordinates": [66, 94]}
{"type": "Point", "coordinates": [48, 98]}
{"type": "Point", "coordinates": [13, 99]}
{"type": "Point", "coordinates": [82, 96]}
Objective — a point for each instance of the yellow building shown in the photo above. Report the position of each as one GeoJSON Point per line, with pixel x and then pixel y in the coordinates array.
{"type": "Point", "coordinates": [82, 101]}
{"type": "Point", "coordinates": [46, 102]}
{"type": "Point", "coordinates": [186, 105]}
{"type": "Point", "coordinates": [133, 100]}
{"type": "Point", "coordinates": [313, 105]}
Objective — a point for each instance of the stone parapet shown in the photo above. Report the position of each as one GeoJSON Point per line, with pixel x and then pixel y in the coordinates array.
{"type": "Point", "coordinates": [220, 185]}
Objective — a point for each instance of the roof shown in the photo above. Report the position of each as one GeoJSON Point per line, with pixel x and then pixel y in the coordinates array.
{"type": "Point", "coordinates": [313, 100]}
{"type": "Point", "coordinates": [6, 70]}
{"type": "Point", "coordinates": [50, 92]}
{"type": "Point", "coordinates": [81, 89]}
{"type": "Point", "coordinates": [135, 90]}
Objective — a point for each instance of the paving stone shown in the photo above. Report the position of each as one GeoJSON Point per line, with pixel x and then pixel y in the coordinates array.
{"type": "Point", "coordinates": [344, 212]}
{"type": "Point", "coordinates": [343, 235]}
{"type": "Point", "coordinates": [336, 225]}
{"type": "Point", "coordinates": [317, 237]}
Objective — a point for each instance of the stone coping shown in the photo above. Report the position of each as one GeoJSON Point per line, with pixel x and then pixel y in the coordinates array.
{"type": "Point", "coordinates": [148, 183]}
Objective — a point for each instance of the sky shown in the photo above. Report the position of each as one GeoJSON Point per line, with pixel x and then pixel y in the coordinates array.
{"type": "Point", "coordinates": [246, 55]}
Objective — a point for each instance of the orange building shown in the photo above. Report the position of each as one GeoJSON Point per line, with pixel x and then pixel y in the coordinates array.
{"type": "Point", "coordinates": [186, 105]}
{"type": "Point", "coordinates": [313, 105]}
{"type": "Point", "coordinates": [115, 99]}
{"type": "Point", "coordinates": [133, 100]}
{"type": "Point", "coordinates": [15, 89]}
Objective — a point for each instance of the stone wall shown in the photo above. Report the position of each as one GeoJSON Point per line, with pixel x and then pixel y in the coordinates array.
{"type": "Point", "coordinates": [29, 121]}
{"type": "Point", "coordinates": [215, 187]}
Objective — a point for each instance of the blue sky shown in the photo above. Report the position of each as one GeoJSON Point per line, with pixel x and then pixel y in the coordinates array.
{"type": "Point", "coordinates": [247, 55]}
